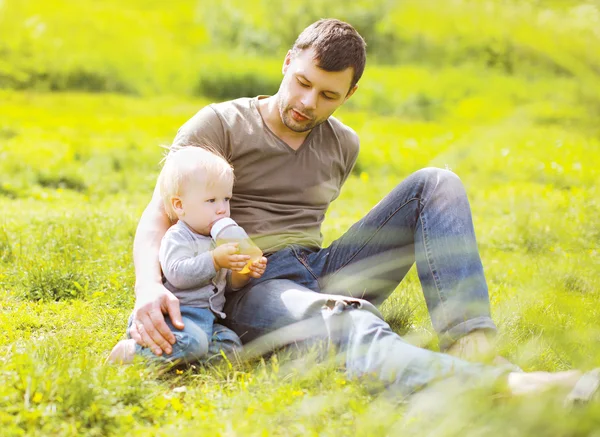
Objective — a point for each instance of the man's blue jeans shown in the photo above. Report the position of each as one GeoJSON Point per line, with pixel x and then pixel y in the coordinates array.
{"type": "Point", "coordinates": [426, 219]}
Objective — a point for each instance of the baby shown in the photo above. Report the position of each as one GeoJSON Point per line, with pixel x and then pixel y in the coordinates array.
{"type": "Point", "coordinates": [196, 186]}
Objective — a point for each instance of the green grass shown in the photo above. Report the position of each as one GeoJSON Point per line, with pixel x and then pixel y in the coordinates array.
{"type": "Point", "coordinates": [503, 93]}
{"type": "Point", "coordinates": [66, 271]}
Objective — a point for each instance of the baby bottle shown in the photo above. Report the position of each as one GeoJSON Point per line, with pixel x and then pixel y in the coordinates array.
{"type": "Point", "coordinates": [226, 230]}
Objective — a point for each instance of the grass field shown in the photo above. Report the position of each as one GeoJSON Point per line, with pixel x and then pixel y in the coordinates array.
{"type": "Point", "coordinates": [508, 99]}
{"type": "Point", "coordinates": [78, 169]}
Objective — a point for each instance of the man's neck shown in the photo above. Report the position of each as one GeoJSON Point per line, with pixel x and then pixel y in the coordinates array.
{"type": "Point", "coordinates": [270, 113]}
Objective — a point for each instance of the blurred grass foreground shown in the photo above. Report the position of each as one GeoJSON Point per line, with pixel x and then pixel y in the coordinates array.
{"type": "Point", "coordinates": [505, 93]}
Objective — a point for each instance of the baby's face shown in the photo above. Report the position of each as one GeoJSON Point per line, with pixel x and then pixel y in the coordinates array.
{"type": "Point", "coordinates": [203, 206]}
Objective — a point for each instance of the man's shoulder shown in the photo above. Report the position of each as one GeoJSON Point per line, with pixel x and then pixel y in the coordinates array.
{"type": "Point", "coordinates": [220, 125]}
{"type": "Point", "coordinates": [241, 105]}
{"type": "Point", "coordinates": [343, 132]}
{"type": "Point", "coordinates": [238, 116]}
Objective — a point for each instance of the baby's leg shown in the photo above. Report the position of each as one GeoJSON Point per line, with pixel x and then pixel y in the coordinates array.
{"type": "Point", "coordinates": [192, 343]}
{"type": "Point", "coordinates": [225, 340]}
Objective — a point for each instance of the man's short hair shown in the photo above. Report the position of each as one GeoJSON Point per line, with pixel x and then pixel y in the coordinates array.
{"type": "Point", "coordinates": [337, 46]}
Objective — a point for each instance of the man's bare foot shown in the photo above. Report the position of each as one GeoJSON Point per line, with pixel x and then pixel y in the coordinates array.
{"type": "Point", "coordinates": [122, 353]}
{"type": "Point", "coordinates": [536, 382]}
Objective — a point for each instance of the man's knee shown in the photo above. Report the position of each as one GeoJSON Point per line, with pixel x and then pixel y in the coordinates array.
{"type": "Point", "coordinates": [437, 175]}
{"type": "Point", "coordinates": [440, 181]}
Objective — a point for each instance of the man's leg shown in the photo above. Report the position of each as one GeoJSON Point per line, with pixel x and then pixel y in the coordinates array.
{"type": "Point", "coordinates": [371, 348]}
{"type": "Point", "coordinates": [427, 219]}
{"type": "Point", "coordinates": [277, 312]}
{"type": "Point", "coordinates": [276, 305]}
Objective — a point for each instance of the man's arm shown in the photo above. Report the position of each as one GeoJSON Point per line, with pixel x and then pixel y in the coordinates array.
{"type": "Point", "coordinates": [152, 298]}
{"type": "Point", "coordinates": [152, 226]}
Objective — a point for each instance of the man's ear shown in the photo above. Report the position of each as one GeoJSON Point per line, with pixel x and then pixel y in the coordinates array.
{"type": "Point", "coordinates": [287, 61]}
{"type": "Point", "coordinates": [352, 91]}
{"type": "Point", "coordinates": [177, 205]}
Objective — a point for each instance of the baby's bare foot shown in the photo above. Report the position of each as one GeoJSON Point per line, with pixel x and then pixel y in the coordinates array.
{"type": "Point", "coordinates": [122, 353]}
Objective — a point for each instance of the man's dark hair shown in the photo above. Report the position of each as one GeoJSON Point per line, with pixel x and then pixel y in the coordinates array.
{"type": "Point", "coordinates": [337, 46]}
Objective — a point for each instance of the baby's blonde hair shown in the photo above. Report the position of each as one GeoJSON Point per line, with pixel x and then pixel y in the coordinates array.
{"type": "Point", "coordinates": [191, 163]}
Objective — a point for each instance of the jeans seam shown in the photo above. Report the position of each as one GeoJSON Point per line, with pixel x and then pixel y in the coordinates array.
{"type": "Point", "coordinates": [428, 255]}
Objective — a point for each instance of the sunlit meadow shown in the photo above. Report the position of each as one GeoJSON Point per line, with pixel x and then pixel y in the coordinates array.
{"type": "Point", "coordinates": [505, 94]}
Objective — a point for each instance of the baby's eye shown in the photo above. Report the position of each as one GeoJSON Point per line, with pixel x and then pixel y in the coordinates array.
{"type": "Point", "coordinates": [211, 200]}
{"type": "Point", "coordinates": [227, 199]}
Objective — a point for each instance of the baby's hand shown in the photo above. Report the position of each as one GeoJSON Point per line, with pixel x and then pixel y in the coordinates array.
{"type": "Point", "coordinates": [226, 257]}
{"type": "Point", "coordinates": [258, 267]}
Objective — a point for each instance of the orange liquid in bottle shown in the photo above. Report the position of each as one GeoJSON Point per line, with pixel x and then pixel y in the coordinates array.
{"type": "Point", "coordinates": [245, 247]}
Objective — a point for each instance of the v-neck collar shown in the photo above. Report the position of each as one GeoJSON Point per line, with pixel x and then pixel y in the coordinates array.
{"type": "Point", "coordinates": [287, 147]}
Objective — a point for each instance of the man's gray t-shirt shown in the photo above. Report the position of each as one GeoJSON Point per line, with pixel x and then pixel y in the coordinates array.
{"type": "Point", "coordinates": [280, 194]}
{"type": "Point", "coordinates": [189, 271]}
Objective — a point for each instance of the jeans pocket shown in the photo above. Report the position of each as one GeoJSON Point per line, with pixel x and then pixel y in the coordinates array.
{"type": "Point", "coordinates": [301, 255]}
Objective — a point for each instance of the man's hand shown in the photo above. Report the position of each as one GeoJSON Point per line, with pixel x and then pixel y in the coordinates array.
{"type": "Point", "coordinates": [226, 256]}
{"type": "Point", "coordinates": [258, 267]}
{"type": "Point", "coordinates": [148, 327]}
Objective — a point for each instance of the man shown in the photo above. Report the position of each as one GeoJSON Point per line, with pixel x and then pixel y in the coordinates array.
{"type": "Point", "coordinates": [290, 158]}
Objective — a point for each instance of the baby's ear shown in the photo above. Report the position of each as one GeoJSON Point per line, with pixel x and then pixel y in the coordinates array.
{"type": "Point", "coordinates": [177, 205]}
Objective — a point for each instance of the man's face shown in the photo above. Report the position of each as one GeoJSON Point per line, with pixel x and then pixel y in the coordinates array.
{"type": "Point", "coordinates": [308, 95]}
